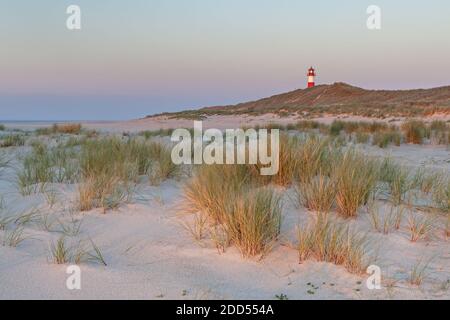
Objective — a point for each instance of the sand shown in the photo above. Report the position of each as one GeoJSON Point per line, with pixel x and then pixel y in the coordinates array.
{"type": "Point", "coordinates": [150, 255]}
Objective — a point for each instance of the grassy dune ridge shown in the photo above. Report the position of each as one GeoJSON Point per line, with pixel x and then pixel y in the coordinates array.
{"type": "Point", "coordinates": [337, 99]}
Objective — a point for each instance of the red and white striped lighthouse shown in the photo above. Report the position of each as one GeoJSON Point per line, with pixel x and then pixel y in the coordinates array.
{"type": "Point", "coordinates": [311, 75]}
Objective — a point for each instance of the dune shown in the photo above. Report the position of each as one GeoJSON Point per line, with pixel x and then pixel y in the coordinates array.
{"type": "Point", "coordinates": [151, 255]}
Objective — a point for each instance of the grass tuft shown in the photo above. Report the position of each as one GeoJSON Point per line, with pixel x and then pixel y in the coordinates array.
{"type": "Point", "coordinates": [317, 194]}
{"type": "Point", "coordinates": [356, 177]}
{"type": "Point", "coordinates": [420, 227]}
{"type": "Point", "coordinates": [240, 212]}
{"type": "Point", "coordinates": [327, 239]}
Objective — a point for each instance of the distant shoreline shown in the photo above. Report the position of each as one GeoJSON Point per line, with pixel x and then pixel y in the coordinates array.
{"type": "Point", "coordinates": [55, 121]}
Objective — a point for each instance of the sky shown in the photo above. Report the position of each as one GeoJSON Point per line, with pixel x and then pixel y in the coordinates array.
{"type": "Point", "coordinates": [139, 57]}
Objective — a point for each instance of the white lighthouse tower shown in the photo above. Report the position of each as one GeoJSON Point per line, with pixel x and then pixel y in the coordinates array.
{"type": "Point", "coordinates": [311, 75]}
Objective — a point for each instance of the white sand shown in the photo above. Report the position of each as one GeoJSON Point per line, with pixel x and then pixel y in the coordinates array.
{"type": "Point", "coordinates": [151, 256]}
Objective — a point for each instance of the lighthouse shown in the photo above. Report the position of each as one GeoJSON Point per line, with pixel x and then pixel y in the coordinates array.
{"type": "Point", "coordinates": [311, 75]}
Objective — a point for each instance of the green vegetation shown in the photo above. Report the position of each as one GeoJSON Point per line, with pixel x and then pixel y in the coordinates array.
{"type": "Point", "coordinates": [12, 140]}
{"type": "Point", "coordinates": [47, 165]}
{"type": "Point", "coordinates": [327, 239]}
{"type": "Point", "coordinates": [249, 215]}
{"type": "Point", "coordinates": [106, 169]}
{"type": "Point", "coordinates": [415, 131]}
{"type": "Point", "coordinates": [356, 177]}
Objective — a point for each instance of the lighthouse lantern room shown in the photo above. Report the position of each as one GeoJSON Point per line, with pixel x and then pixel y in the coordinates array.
{"type": "Point", "coordinates": [311, 75]}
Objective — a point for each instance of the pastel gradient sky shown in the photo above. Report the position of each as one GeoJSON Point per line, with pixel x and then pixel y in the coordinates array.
{"type": "Point", "coordinates": [139, 57]}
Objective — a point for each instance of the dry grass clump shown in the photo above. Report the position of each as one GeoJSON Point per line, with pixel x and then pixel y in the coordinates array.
{"type": "Point", "coordinates": [103, 191]}
{"type": "Point", "coordinates": [254, 221]}
{"type": "Point", "coordinates": [317, 194]}
{"type": "Point", "coordinates": [420, 226]}
{"type": "Point", "coordinates": [240, 212]}
{"type": "Point", "coordinates": [315, 155]}
{"type": "Point", "coordinates": [214, 188]}
{"type": "Point", "coordinates": [74, 128]}
{"type": "Point", "coordinates": [415, 131]}
{"type": "Point", "coordinates": [309, 162]}
{"type": "Point", "coordinates": [356, 177]}
{"type": "Point", "coordinates": [69, 128]}
{"type": "Point", "coordinates": [289, 160]}
{"type": "Point", "coordinates": [326, 239]}
{"type": "Point", "coordinates": [328, 175]}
